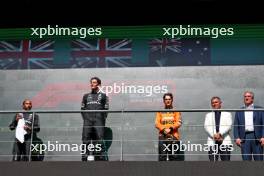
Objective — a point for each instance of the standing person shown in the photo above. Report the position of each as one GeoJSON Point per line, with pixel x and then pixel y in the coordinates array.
{"type": "Point", "coordinates": [23, 123]}
{"type": "Point", "coordinates": [218, 125]}
{"type": "Point", "coordinates": [249, 129]}
{"type": "Point", "coordinates": [168, 124]}
{"type": "Point", "coordinates": [94, 123]}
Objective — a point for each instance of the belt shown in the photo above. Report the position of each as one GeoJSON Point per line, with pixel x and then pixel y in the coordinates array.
{"type": "Point", "coordinates": [249, 132]}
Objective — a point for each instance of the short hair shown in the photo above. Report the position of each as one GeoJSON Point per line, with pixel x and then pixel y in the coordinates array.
{"type": "Point", "coordinates": [168, 94]}
{"type": "Point", "coordinates": [26, 100]}
{"type": "Point", "coordinates": [250, 92]}
{"type": "Point", "coordinates": [97, 79]}
{"type": "Point", "coordinates": [216, 97]}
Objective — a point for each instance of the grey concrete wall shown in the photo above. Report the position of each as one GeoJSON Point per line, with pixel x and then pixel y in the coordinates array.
{"type": "Point", "coordinates": [63, 89]}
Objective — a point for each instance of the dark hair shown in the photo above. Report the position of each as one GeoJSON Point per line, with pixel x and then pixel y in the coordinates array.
{"type": "Point", "coordinates": [26, 100]}
{"type": "Point", "coordinates": [215, 97]}
{"type": "Point", "coordinates": [168, 94]}
{"type": "Point", "coordinates": [97, 79]}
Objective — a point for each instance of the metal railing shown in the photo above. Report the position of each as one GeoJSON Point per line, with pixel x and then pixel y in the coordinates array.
{"type": "Point", "coordinates": [122, 117]}
{"type": "Point", "coordinates": [129, 110]}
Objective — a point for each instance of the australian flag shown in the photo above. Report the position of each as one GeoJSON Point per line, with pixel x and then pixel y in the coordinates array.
{"type": "Point", "coordinates": [180, 52]}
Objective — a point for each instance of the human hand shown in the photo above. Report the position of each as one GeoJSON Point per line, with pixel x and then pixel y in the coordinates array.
{"type": "Point", "coordinates": [180, 122]}
{"type": "Point", "coordinates": [27, 127]}
{"type": "Point", "coordinates": [238, 142]}
{"type": "Point", "coordinates": [19, 116]}
{"type": "Point", "coordinates": [262, 141]}
{"type": "Point", "coordinates": [167, 130]}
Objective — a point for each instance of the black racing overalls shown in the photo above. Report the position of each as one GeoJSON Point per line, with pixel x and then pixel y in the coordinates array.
{"type": "Point", "coordinates": [94, 124]}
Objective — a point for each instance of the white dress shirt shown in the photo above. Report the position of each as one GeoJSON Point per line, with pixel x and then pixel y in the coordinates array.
{"type": "Point", "coordinates": [249, 125]}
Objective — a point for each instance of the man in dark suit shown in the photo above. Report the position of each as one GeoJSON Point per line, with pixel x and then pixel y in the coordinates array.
{"type": "Point", "coordinates": [249, 129]}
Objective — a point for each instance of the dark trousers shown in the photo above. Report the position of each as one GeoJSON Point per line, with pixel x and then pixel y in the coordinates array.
{"type": "Point", "coordinates": [219, 150]}
{"type": "Point", "coordinates": [168, 152]}
{"type": "Point", "coordinates": [251, 147]}
{"type": "Point", "coordinates": [21, 151]}
{"type": "Point", "coordinates": [93, 133]}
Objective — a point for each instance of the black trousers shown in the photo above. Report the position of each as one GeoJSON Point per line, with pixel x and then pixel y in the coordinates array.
{"type": "Point", "coordinates": [168, 150]}
{"type": "Point", "coordinates": [21, 151]}
{"type": "Point", "coordinates": [215, 152]}
{"type": "Point", "coordinates": [93, 133]}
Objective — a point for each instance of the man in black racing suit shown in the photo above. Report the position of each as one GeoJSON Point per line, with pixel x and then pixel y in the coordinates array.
{"type": "Point", "coordinates": [94, 122]}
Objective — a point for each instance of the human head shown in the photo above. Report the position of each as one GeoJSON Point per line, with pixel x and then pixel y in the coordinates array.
{"type": "Point", "coordinates": [248, 98]}
{"type": "Point", "coordinates": [216, 102]}
{"type": "Point", "coordinates": [95, 82]}
{"type": "Point", "coordinates": [167, 100]}
{"type": "Point", "coordinates": [27, 105]}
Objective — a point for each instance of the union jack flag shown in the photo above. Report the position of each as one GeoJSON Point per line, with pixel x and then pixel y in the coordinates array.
{"type": "Point", "coordinates": [160, 48]}
{"type": "Point", "coordinates": [26, 54]}
{"type": "Point", "coordinates": [162, 45]}
{"type": "Point", "coordinates": [31, 54]}
{"type": "Point", "coordinates": [101, 53]}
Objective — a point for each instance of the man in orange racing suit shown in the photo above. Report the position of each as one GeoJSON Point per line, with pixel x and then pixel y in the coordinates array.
{"type": "Point", "coordinates": [168, 124]}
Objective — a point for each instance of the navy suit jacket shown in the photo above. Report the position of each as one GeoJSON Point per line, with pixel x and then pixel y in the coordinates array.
{"type": "Point", "coordinates": [239, 124]}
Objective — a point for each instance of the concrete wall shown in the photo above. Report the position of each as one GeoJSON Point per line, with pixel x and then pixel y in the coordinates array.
{"type": "Point", "coordinates": [63, 89]}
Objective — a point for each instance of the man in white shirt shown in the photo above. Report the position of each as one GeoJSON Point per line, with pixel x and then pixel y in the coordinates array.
{"type": "Point", "coordinates": [218, 125]}
{"type": "Point", "coordinates": [249, 129]}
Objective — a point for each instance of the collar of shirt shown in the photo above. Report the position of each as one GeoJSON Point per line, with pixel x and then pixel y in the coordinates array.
{"type": "Point", "coordinates": [249, 107]}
